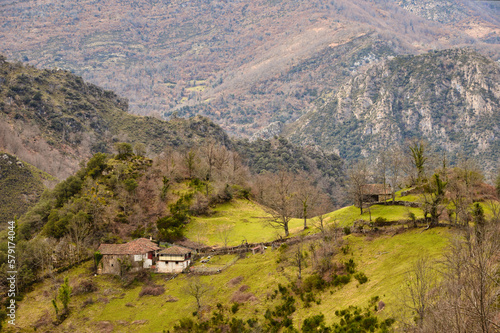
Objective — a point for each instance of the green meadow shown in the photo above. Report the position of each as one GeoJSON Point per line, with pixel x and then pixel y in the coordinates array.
{"type": "Point", "coordinates": [384, 259]}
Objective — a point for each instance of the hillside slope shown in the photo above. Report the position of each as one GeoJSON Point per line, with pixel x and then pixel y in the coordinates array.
{"type": "Point", "coordinates": [53, 120]}
{"type": "Point", "coordinates": [450, 98]}
{"type": "Point", "coordinates": [249, 281]}
{"type": "Point", "coordinates": [21, 185]}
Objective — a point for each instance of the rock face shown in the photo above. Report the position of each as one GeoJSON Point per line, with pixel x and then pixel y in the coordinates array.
{"type": "Point", "coordinates": [450, 98]}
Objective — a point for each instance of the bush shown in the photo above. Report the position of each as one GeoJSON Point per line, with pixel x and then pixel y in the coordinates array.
{"type": "Point", "coordinates": [235, 307]}
{"type": "Point", "coordinates": [313, 282]}
{"type": "Point", "coordinates": [361, 277]}
{"type": "Point", "coordinates": [152, 290]}
{"type": "Point", "coordinates": [380, 220]}
{"type": "Point", "coordinates": [314, 324]}
{"type": "Point", "coordinates": [85, 287]}
{"type": "Point", "coordinates": [87, 302]}
{"type": "Point", "coordinates": [350, 266]}
{"type": "Point", "coordinates": [347, 230]}
{"type": "Point", "coordinates": [339, 280]}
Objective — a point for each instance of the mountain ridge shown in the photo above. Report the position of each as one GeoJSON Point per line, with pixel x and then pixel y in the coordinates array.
{"type": "Point", "coordinates": [450, 98]}
{"type": "Point", "coordinates": [229, 61]}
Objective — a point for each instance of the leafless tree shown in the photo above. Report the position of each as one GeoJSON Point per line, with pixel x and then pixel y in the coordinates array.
{"type": "Point", "coordinates": [383, 166]}
{"type": "Point", "coordinates": [225, 234]}
{"type": "Point", "coordinates": [279, 199]}
{"type": "Point", "coordinates": [197, 289]}
{"type": "Point", "coordinates": [416, 294]}
{"type": "Point", "coordinates": [307, 195]}
{"type": "Point", "coordinates": [298, 258]}
{"type": "Point", "coordinates": [79, 230]}
{"type": "Point", "coordinates": [395, 169]}
{"type": "Point", "coordinates": [358, 178]}
{"type": "Point", "coordinates": [190, 162]}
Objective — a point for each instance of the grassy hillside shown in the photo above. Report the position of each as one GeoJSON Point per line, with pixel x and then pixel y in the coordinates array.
{"type": "Point", "coordinates": [241, 220]}
{"type": "Point", "coordinates": [22, 185]}
{"type": "Point", "coordinates": [112, 307]}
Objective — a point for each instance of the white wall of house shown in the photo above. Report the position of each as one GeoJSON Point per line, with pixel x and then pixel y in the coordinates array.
{"type": "Point", "coordinates": [172, 266]}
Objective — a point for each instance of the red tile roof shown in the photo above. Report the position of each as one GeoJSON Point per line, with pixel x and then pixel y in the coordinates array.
{"type": "Point", "coordinates": [137, 246]}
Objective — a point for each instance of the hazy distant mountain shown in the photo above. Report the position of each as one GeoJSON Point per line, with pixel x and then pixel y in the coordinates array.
{"type": "Point", "coordinates": [245, 64]}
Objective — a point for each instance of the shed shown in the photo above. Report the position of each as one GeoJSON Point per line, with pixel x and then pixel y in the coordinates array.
{"type": "Point", "coordinates": [376, 192]}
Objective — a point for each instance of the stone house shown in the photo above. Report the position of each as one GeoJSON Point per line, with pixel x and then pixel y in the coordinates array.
{"type": "Point", "coordinates": [174, 259]}
{"type": "Point", "coordinates": [376, 192]}
{"type": "Point", "coordinates": [137, 254]}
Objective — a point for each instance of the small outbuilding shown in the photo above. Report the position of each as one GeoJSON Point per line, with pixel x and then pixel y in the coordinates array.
{"type": "Point", "coordinates": [133, 256]}
{"type": "Point", "coordinates": [376, 192]}
{"type": "Point", "coordinates": [174, 259]}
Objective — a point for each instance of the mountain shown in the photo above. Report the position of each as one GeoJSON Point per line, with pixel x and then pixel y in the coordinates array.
{"type": "Point", "coordinates": [54, 120]}
{"type": "Point", "coordinates": [22, 185]}
{"type": "Point", "coordinates": [450, 98]}
{"type": "Point", "coordinates": [245, 64]}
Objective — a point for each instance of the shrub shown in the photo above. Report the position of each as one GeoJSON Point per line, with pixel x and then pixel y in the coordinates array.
{"type": "Point", "coordinates": [314, 324]}
{"type": "Point", "coordinates": [361, 277]}
{"type": "Point", "coordinates": [312, 282]}
{"type": "Point", "coordinates": [350, 266]}
{"type": "Point", "coordinates": [85, 287]}
{"type": "Point", "coordinates": [153, 290]}
{"type": "Point", "coordinates": [380, 220]}
{"type": "Point", "coordinates": [87, 302]}
{"type": "Point", "coordinates": [347, 230]}
{"type": "Point", "coordinates": [339, 280]}
{"type": "Point", "coordinates": [235, 307]}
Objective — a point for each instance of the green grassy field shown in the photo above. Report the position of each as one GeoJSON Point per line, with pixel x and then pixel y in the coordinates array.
{"type": "Point", "coordinates": [246, 220]}
{"type": "Point", "coordinates": [241, 220]}
{"type": "Point", "coordinates": [347, 215]}
{"type": "Point", "coordinates": [384, 259]}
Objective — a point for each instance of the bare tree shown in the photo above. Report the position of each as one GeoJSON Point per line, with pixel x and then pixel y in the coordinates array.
{"type": "Point", "coordinates": [209, 151]}
{"type": "Point", "coordinates": [416, 293]}
{"type": "Point", "coordinates": [279, 198]}
{"type": "Point", "coordinates": [323, 207]}
{"type": "Point", "coordinates": [470, 288]}
{"type": "Point", "coordinates": [383, 166]}
{"type": "Point", "coordinates": [395, 169]}
{"type": "Point", "coordinates": [197, 289]}
{"type": "Point", "coordinates": [298, 258]}
{"type": "Point", "coordinates": [190, 161]}
{"type": "Point", "coordinates": [79, 229]}
{"type": "Point", "coordinates": [225, 234]}
{"type": "Point", "coordinates": [307, 195]}
{"type": "Point", "coordinates": [358, 178]}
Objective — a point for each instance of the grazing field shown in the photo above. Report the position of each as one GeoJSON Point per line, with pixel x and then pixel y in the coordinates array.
{"type": "Point", "coordinates": [384, 259]}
